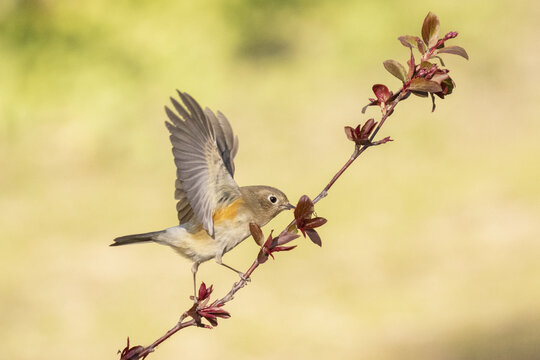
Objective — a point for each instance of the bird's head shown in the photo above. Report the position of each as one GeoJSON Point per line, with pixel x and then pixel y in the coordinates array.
{"type": "Point", "coordinates": [265, 202]}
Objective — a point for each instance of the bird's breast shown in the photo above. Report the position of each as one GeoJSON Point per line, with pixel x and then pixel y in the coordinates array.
{"type": "Point", "coordinates": [231, 224]}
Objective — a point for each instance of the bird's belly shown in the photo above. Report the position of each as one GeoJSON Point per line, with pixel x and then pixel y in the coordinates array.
{"type": "Point", "coordinates": [200, 246]}
{"type": "Point", "coordinates": [230, 234]}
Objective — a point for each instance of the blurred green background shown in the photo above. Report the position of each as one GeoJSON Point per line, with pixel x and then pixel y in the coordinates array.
{"type": "Point", "coordinates": [432, 246]}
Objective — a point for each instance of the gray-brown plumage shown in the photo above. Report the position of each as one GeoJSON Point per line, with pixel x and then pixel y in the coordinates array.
{"type": "Point", "coordinates": [213, 211]}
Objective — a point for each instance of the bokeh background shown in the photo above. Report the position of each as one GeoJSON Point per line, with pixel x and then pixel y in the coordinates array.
{"type": "Point", "coordinates": [432, 246]}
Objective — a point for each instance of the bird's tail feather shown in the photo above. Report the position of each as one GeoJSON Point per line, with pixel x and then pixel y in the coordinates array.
{"type": "Point", "coordinates": [136, 238]}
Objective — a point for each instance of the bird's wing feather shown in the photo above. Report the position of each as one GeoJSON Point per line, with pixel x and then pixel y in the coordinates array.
{"type": "Point", "coordinates": [204, 147]}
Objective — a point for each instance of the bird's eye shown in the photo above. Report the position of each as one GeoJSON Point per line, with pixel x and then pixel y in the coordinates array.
{"type": "Point", "coordinates": [272, 199]}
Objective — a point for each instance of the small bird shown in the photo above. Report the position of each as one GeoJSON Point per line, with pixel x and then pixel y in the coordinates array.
{"type": "Point", "coordinates": [213, 211]}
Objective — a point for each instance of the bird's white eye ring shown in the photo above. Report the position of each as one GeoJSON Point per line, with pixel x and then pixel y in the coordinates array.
{"type": "Point", "coordinates": [272, 199]}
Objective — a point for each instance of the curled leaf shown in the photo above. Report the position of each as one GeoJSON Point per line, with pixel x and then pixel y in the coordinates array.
{"type": "Point", "coordinates": [360, 135]}
{"type": "Point", "coordinates": [419, 93]}
{"type": "Point", "coordinates": [408, 41]}
{"type": "Point", "coordinates": [314, 223]}
{"type": "Point", "coordinates": [447, 86]}
{"type": "Point", "coordinates": [367, 129]}
{"type": "Point", "coordinates": [412, 67]}
{"type": "Point", "coordinates": [423, 85]}
{"type": "Point", "coordinates": [314, 236]}
{"type": "Point", "coordinates": [372, 102]}
{"type": "Point", "coordinates": [455, 50]}
{"type": "Point", "coordinates": [304, 208]}
{"type": "Point", "coordinates": [381, 92]}
{"type": "Point", "coordinates": [273, 245]}
{"type": "Point", "coordinates": [286, 238]}
{"type": "Point", "coordinates": [130, 353]}
{"type": "Point", "coordinates": [439, 76]}
{"type": "Point", "coordinates": [212, 312]}
{"type": "Point", "coordinates": [204, 292]}
{"type": "Point", "coordinates": [426, 65]}
{"type": "Point", "coordinates": [421, 46]}
{"type": "Point", "coordinates": [257, 233]}
{"type": "Point", "coordinates": [395, 68]}
{"type": "Point", "coordinates": [349, 131]}
{"type": "Point", "coordinates": [430, 30]}
{"type": "Point", "coordinates": [283, 248]}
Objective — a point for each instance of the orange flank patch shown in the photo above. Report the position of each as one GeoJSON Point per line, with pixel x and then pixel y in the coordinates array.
{"type": "Point", "coordinates": [227, 212]}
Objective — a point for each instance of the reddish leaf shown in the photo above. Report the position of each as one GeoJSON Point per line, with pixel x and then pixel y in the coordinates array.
{"type": "Point", "coordinates": [456, 50]}
{"type": "Point", "coordinates": [419, 93]}
{"type": "Point", "coordinates": [412, 67]}
{"type": "Point", "coordinates": [381, 92]}
{"type": "Point", "coordinates": [421, 46]}
{"type": "Point", "coordinates": [413, 42]}
{"type": "Point", "coordinates": [367, 129]}
{"type": "Point", "coordinates": [396, 69]}
{"type": "Point", "coordinates": [304, 208]}
{"type": "Point", "coordinates": [447, 88]}
{"type": "Point", "coordinates": [357, 131]}
{"type": "Point", "coordinates": [271, 245]}
{"type": "Point", "coordinates": [215, 311]}
{"type": "Point", "coordinates": [211, 313]}
{"type": "Point", "coordinates": [314, 223]}
{"type": "Point", "coordinates": [372, 102]}
{"type": "Point", "coordinates": [349, 131]}
{"type": "Point", "coordinates": [439, 76]}
{"type": "Point", "coordinates": [286, 238]}
{"type": "Point", "coordinates": [268, 243]}
{"type": "Point", "coordinates": [383, 141]}
{"type": "Point", "coordinates": [262, 257]}
{"type": "Point", "coordinates": [204, 292]}
{"type": "Point", "coordinates": [283, 248]}
{"type": "Point", "coordinates": [426, 65]}
{"type": "Point", "coordinates": [131, 353]}
{"type": "Point", "coordinates": [194, 314]}
{"type": "Point", "coordinates": [430, 29]}
{"type": "Point", "coordinates": [408, 41]}
{"type": "Point", "coordinates": [314, 236]}
{"type": "Point", "coordinates": [257, 233]}
{"type": "Point", "coordinates": [423, 85]}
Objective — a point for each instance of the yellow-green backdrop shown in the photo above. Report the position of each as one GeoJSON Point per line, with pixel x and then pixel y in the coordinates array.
{"type": "Point", "coordinates": [432, 246]}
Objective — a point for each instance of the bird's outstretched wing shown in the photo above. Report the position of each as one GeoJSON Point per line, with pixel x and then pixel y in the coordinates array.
{"type": "Point", "coordinates": [204, 148]}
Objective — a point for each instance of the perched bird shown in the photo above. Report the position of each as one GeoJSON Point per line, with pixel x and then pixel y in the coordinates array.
{"type": "Point", "coordinates": [213, 211]}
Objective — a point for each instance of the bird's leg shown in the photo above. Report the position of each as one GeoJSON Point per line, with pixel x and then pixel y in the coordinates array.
{"type": "Point", "coordinates": [220, 262]}
{"type": "Point", "coordinates": [194, 269]}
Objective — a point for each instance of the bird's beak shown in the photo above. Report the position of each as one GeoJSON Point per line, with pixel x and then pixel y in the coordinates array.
{"type": "Point", "coordinates": [288, 206]}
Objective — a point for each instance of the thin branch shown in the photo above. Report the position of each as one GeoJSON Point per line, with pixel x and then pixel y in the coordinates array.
{"type": "Point", "coordinates": [364, 137]}
{"type": "Point", "coordinates": [183, 323]}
